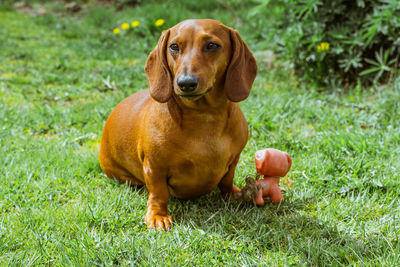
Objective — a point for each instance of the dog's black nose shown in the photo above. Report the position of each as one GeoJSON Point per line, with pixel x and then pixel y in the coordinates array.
{"type": "Point", "coordinates": [187, 83]}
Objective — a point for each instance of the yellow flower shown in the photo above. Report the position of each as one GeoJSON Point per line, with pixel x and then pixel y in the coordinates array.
{"type": "Point", "coordinates": [324, 46]}
{"type": "Point", "coordinates": [159, 22]}
{"type": "Point", "coordinates": [135, 23]}
{"type": "Point", "coordinates": [125, 26]}
{"type": "Point", "coordinates": [116, 30]}
{"type": "Point", "coordinates": [27, 131]}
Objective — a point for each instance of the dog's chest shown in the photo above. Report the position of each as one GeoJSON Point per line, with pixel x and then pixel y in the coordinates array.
{"type": "Point", "coordinates": [200, 165]}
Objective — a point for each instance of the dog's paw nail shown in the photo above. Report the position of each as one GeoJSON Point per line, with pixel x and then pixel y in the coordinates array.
{"type": "Point", "coordinates": [160, 222]}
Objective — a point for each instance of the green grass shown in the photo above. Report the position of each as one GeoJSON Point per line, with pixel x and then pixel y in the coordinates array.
{"type": "Point", "coordinates": [58, 208]}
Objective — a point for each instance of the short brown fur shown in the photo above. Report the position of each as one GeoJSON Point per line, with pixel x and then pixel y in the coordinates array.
{"type": "Point", "coordinates": [179, 144]}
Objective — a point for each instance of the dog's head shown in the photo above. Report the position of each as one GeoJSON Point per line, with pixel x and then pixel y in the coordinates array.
{"type": "Point", "coordinates": [197, 56]}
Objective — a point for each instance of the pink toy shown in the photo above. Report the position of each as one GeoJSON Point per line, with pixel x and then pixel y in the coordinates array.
{"type": "Point", "coordinates": [273, 164]}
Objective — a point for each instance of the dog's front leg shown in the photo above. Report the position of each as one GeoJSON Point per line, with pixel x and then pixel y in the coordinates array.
{"type": "Point", "coordinates": [226, 185]}
{"type": "Point", "coordinates": [157, 205]}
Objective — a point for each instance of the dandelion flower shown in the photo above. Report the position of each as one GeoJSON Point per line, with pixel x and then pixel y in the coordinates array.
{"type": "Point", "coordinates": [324, 46]}
{"type": "Point", "coordinates": [159, 22]}
{"type": "Point", "coordinates": [135, 23]}
{"type": "Point", "coordinates": [116, 30]}
{"type": "Point", "coordinates": [125, 26]}
{"type": "Point", "coordinates": [27, 131]}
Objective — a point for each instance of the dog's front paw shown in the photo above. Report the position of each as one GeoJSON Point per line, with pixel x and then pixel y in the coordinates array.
{"type": "Point", "coordinates": [234, 193]}
{"type": "Point", "coordinates": [160, 222]}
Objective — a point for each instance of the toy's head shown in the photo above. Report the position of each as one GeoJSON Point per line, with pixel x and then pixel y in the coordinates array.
{"type": "Point", "coordinates": [272, 162]}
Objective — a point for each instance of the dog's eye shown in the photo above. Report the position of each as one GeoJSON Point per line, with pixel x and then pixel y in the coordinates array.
{"type": "Point", "coordinates": [212, 46]}
{"type": "Point", "coordinates": [174, 48]}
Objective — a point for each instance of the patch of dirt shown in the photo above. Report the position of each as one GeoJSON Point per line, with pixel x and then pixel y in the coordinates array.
{"type": "Point", "coordinates": [120, 4]}
{"type": "Point", "coordinates": [39, 10]}
{"type": "Point", "coordinates": [27, 8]}
{"type": "Point", "coordinates": [73, 7]}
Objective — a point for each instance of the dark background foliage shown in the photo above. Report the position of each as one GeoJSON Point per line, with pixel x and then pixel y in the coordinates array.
{"type": "Point", "coordinates": [363, 36]}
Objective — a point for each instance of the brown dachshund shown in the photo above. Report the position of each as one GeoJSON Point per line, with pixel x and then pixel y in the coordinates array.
{"type": "Point", "coordinates": [183, 137]}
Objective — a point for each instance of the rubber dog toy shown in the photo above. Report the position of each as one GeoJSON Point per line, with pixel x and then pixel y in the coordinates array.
{"type": "Point", "coordinates": [272, 164]}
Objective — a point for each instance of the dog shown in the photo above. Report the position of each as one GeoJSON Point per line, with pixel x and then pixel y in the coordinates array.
{"type": "Point", "coordinates": [183, 137]}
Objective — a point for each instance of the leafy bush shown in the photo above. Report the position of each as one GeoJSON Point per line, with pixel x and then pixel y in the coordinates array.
{"type": "Point", "coordinates": [341, 42]}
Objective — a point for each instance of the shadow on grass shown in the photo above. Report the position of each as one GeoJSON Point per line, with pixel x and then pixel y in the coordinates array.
{"type": "Point", "coordinates": [288, 228]}
{"type": "Point", "coordinates": [284, 227]}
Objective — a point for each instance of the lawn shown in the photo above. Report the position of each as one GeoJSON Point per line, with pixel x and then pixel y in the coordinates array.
{"type": "Point", "coordinates": [61, 74]}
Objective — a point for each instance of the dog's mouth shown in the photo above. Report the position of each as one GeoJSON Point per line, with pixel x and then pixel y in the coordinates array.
{"type": "Point", "coordinates": [192, 97]}
{"type": "Point", "coordinates": [195, 96]}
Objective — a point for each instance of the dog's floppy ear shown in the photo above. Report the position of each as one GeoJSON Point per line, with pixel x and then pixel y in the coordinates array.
{"type": "Point", "coordinates": [241, 71]}
{"type": "Point", "coordinates": [157, 71]}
